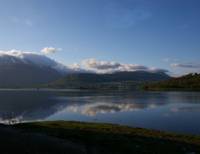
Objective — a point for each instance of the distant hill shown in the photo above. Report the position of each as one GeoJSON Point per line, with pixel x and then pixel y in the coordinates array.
{"type": "Point", "coordinates": [187, 82]}
{"type": "Point", "coordinates": [123, 80]}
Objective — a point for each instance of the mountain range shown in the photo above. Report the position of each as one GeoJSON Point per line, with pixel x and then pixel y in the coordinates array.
{"type": "Point", "coordinates": [26, 69]}
{"type": "Point", "coordinates": [117, 80]}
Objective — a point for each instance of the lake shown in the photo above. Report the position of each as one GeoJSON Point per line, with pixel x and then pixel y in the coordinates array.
{"type": "Point", "coordinates": [170, 111]}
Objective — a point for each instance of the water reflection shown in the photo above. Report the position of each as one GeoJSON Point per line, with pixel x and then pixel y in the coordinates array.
{"type": "Point", "coordinates": [105, 108]}
{"type": "Point", "coordinates": [19, 106]}
{"type": "Point", "coordinates": [174, 111]}
{"type": "Point", "coordinates": [16, 106]}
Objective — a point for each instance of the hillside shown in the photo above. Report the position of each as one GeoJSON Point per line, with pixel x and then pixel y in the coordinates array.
{"type": "Point", "coordinates": [187, 82]}
{"type": "Point", "coordinates": [82, 138]}
{"type": "Point", "coordinates": [124, 80]}
{"type": "Point", "coordinates": [22, 75]}
{"type": "Point", "coordinates": [23, 69]}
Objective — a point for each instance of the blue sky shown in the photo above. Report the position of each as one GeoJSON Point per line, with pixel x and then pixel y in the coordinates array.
{"type": "Point", "coordinates": [155, 33]}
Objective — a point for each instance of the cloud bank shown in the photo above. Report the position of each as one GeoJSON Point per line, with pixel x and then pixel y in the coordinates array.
{"type": "Point", "coordinates": [186, 65]}
{"type": "Point", "coordinates": [89, 65]}
{"type": "Point", "coordinates": [111, 66]}
{"type": "Point", "coordinates": [31, 58]}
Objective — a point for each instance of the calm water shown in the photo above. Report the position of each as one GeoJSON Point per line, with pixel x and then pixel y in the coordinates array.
{"type": "Point", "coordinates": [172, 111]}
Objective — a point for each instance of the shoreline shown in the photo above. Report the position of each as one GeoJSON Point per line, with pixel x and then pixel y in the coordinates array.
{"type": "Point", "coordinates": [96, 90]}
{"type": "Point", "coordinates": [95, 138]}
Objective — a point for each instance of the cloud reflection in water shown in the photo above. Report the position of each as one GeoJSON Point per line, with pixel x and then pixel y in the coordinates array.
{"type": "Point", "coordinates": [92, 109]}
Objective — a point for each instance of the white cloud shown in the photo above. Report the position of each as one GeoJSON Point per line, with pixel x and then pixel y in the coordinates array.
{"type": "Point", "coordinates": [186, 65]}
{"type": "Point", "coordinates": [110, 67]}
{"type": "Point", "coordinates": [23, 57]}
{"type": "Point", "coordinates": [89, 65]}
{"type": "Point", "coordinates": [50, 50]}
{"type": "Point", "coordinates": [101, 65]}
{"type": "Point", "coordinates": [77, 67]}
{"type": "Point", "coordinates": [184, 68]}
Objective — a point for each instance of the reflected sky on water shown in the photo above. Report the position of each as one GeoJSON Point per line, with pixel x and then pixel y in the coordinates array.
{"type": "Point", "coordinates": [171, 111]}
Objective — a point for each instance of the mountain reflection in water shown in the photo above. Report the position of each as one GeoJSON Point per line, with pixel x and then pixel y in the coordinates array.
{"type": "Point", "coordinates": [172, 111]}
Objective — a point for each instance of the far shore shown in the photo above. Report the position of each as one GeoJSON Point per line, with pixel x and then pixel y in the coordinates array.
{"type": "Point", "coordinates": [74, 90]}
{"type": "Point", "coordinates": [37, 89]}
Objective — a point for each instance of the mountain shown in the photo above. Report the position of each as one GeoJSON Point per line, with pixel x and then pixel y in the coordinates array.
{"type": "Point", "coordinates": [23, 69]}
{"type": "Point", "coordinates": [28, 69]}
{"type": "Point", "coordinates": [187, 82]}
{"type": "Point", "coordinates": [23, 75]}
{"type": "Point", "coordinates": [107, 81]}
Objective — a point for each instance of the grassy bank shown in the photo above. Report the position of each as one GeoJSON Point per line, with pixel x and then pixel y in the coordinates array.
{"type": "Point", "coordinates": [106, 138]}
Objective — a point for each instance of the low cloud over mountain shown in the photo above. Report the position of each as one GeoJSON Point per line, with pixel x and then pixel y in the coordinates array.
{"type": "Point", "coordinates": [31, 58]}
{"type": "Point", "coordinates": [23, 69]}
{"type": "Point", "coordinates": [19, 68]}
{"type": "Point", "coordinates": [88, 65]}
{"type": "Point", "coordinates": [110, 67]}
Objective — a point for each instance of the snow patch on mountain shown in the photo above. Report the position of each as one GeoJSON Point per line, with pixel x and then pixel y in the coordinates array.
{"type": "Point", "coordinates": [32, 58]}
{"type": "Point", "coordinates": [88, 65]}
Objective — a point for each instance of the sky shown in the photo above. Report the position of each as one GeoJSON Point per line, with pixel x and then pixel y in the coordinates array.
{"type": "Point", "coordinates": [154, 33]}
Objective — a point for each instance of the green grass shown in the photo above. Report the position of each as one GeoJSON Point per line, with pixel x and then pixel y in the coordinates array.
{"type": "Point", "coordinates": [108, 138]}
